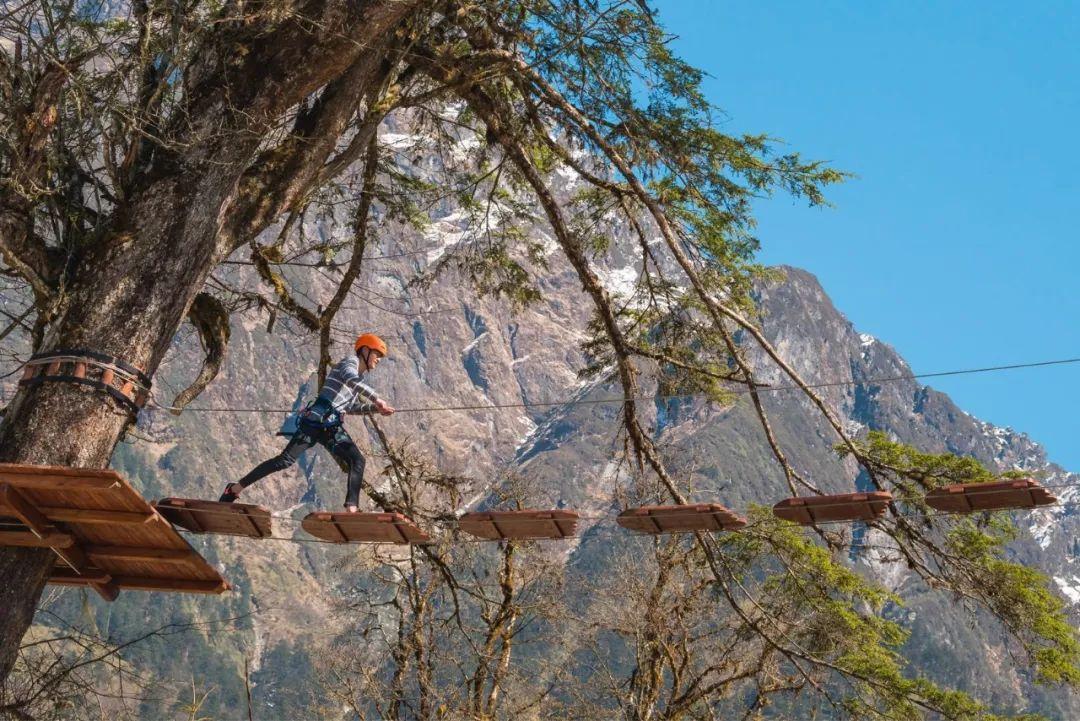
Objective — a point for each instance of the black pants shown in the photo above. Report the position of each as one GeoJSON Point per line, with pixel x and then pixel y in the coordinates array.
{"type": "Point", "coordinates": [334, 439]}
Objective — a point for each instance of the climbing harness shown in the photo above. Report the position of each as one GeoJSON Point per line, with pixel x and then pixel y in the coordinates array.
{"type": "Point", "coordinates": [319, 416]}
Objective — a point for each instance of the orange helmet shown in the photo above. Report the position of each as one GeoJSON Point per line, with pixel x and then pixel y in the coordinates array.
{"type": "Point", "coordinates": [371, 341]}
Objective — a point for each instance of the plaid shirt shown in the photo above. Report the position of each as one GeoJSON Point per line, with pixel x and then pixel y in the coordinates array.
{"type": "Point", "coordinates": [345, 391]}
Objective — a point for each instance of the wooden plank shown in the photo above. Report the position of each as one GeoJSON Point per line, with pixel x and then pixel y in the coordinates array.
{"type": "Point", "coordinates": [254, 526]}
{"type": "Point", "coordinates": [157, 534]}
{"type": "Point", "coordinates": [994, 496]}
{"type": "Point", "coordinates": [337, 529]}
{"type": "Point", "coordinates": [29, 540]}
{"type": "Point", "coordinates": [839, 507]}
{"type": "Point", "coordinates": [58, 478]}
{"type": "Point", "coordinates": [129, 553]}
{"type": "Point", "coordinates": [142, 583]}
{"type": "Point", "coordinates": [108, 591]}
{"type": "Point", "coordinates": [363, 528]}
{"type": "Point", "coordinates": [101, 512]}
{"type": "Point", "coordinates": [61, 574]}
{"type": "Point", "coordinates": [95, 579]}
{"type": "Point", "coordinates": [401, 537]}
{"type": "Point", "coordinates": [525, 524]}
{"type": "Point", "coordinates": [23, 510]}
{"type": "Point", "coordinates": [87, 515]}
{"type": "Point", "coordinates": [708, 517]}
{"type": "Point", "coordinates": [201, 516]}
{"type": "Point", "coordinates": [74, 557]}
{"type": "Point", "coordinates": [177, 512]}
{"type": "Point", "coordinates": [32, 469]}
{"type": "Point", "coordinates": [58, 483]}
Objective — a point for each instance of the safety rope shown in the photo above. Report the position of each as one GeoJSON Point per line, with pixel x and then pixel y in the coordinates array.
{"type": "Point", "coordinates": [609, 518]}
{"type": "Point", "coordinates": [600, 519]}
{"type": "Point", "coordinates": [677, 514]}
{"type": "Point", "coordinates": [153, 405]}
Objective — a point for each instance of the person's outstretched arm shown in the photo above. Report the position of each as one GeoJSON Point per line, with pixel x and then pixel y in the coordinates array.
{"type": "Point", "coordinates": [367, 400]}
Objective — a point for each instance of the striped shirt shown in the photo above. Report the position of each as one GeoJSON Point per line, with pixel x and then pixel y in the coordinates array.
{"type": "Point", "coordinates": [345, 391]}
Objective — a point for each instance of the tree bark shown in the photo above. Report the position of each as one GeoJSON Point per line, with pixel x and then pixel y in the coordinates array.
{"type": "Point", "coordinates": [22, 570]}
{"type": "Point", "coordinates": [130, 293]}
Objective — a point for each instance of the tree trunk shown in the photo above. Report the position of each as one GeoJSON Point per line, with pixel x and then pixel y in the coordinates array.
{"type": "Point", "coordinates": [23, 571]}
{"type": "Point", "coordinates": [131, 292]}
{"type": "Point", "coordinates": [128, 300]}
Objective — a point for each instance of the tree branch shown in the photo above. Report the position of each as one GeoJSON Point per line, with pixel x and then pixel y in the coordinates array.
{"type": "Point", "coordinates": [211, 320]}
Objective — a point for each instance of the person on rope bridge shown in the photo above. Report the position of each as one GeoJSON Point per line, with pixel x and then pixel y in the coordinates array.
{"type": "Point", "coordinates": [321, 421]}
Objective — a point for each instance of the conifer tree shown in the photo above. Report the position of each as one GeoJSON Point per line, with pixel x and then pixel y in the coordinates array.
{"type": "Point", "coordinates": [143, 145]}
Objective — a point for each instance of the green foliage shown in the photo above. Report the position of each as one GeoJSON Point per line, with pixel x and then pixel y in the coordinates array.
{"type": "Point", "coordinates": [969, 555]}
{"type": "Point", "coordinates": [905, 464]}
{"type": "Point", "coordinates": [1020, 597]}
{"type": "Point", "coordinates": [831, 617]}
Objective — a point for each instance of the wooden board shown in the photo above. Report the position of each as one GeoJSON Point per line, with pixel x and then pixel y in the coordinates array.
{"type": "Point", "coordinates": [971, 497]}
{"type": "Point", "coordinates": [680, 519]}
{"type": "Point", "coordinates": [508, 525]}
{"type": "Point", "coordinates": [230, 519]}
{"type": "Point", "coordinates": [807, 510]}
{"type": "Point", "coordinates": [363, 528]}
{"type": "Point", "coordinates": [105, 535]}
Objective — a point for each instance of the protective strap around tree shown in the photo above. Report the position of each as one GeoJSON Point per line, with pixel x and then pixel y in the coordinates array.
{"type": "Point", "coordinates": [102, 358]}
{"type": "Point", "coordinates": [123, 382]}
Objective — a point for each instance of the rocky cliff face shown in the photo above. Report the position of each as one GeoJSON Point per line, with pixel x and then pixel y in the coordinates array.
{"type": "Point", "coordinates": [450, 349]}
{"type": "Point", "coordinates": [824, 347]}
{"type": "Point", "coordinates": [731, 463]}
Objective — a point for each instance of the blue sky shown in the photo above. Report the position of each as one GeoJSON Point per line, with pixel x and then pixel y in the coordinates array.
{"type": "Point", "coordinates": [956, 243]}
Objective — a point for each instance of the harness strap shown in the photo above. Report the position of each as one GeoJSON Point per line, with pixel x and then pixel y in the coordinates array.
{"type": "Point", "coordinates": [321, 414]}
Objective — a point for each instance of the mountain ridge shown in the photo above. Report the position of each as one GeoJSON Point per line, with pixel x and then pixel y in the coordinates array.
{"type": "Point", "coordinates": [565, 451]}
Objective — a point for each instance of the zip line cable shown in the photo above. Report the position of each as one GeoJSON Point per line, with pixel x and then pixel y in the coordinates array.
{"type": "Point", "coordinates": [600, 518]}
{"type": "Point", "coordinates": [153, 405]}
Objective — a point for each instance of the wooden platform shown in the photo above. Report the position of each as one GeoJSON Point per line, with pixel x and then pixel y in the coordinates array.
{"type": "Point", "coordinates": [217, 517]}
{"type": "Point", "coordinates": [105, 535]}
{"type": "Point", "coordinates": [807, 510]}
{"type": "Point", "coordinates": [996, 496]}
{"type": "Point", "coordinates": [363, 528]}
{"type": "Point", "coordinates": [680, 519]}
{"type": "Point", "coordinates": [519, 525]}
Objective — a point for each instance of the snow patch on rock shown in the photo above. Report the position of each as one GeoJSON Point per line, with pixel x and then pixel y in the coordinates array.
{"type": "Point", "coordinates": [446, 233]}
{"type": "Point", "coordinates": [1069, 588]}
{"type": "Point", "coordinates": [853, 428]}
{"type": "Point", "coordinates": [619, 281]}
